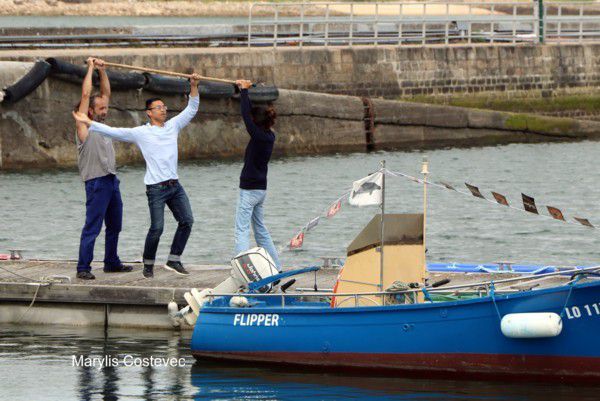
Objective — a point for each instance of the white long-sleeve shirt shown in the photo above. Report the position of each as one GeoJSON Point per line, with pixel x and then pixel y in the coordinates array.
{"type": "Point", "coordinates": [157, 144]}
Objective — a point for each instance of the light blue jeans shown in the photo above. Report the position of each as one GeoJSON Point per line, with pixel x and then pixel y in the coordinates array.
{"type": "Point", "coordinates": [250, 209]}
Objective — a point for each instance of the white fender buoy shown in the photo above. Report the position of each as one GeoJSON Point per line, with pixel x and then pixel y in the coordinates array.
{"type": "Point", "coordinates": [531, 325]}
{"type": "Point", "coordinates": [173, 310]}
{"type": "Point", "coordinates": [192, 303]}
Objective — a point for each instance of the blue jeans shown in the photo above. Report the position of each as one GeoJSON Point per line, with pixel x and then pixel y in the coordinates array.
{"type": "Point", "coordinates": [250, 209]}
{"type": "Point", "coordinates": [103, 205]}
{"type": "Point", "coordinates": [174, 196]}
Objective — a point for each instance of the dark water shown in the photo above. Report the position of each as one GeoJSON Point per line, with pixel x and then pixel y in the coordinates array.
{"type": "Point", "coordinates": [43, 212]}
{"type": "Point", "coordinates": [36, 363]}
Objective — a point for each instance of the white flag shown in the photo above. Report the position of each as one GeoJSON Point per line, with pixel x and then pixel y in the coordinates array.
{"type": "Point", "coordinates": [367, 191]}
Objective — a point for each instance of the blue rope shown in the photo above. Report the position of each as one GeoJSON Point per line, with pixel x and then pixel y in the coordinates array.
{"type": "Point", "coordinates": [427, 295]}
{"type": "Point", "coordinates": [493, 295]}
{"type": "Point", "coordinates": [562, 313]}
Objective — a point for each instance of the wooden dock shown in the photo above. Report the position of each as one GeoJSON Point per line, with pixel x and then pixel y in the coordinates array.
{"type": "Point", "coordinates": [48, 292]}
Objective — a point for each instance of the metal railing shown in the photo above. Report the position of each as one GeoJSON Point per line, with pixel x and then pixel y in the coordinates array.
{"type": "Point", "coordinates": [482, 288]}
{"type": "Point", "coordinates": [427, 22]}
{"type": "Point", "coordinates": [567, 22]}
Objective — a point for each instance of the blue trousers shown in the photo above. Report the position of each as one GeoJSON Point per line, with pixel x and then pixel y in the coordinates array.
{"type": "Point", "coordinates": [103, 205]}
{"type": "Point", "coordinates": [176, 199]}
{"type": "Point", "coordinates": [250, 210]}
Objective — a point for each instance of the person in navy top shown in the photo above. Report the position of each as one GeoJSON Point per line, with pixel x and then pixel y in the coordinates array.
{"type": "Point", "coordinates": [259, 121]}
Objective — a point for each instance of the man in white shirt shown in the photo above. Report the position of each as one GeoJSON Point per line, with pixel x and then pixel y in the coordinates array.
{"type": "Point", "coordinates": [157, 141]}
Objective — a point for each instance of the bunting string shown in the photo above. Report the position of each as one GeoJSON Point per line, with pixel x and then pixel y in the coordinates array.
{"type": "Point", "coordinates": [368, 185]}
{"type": "Point", "coordinates": [330, 211]}
{"type": "Point", "coordinates": [528, 202]}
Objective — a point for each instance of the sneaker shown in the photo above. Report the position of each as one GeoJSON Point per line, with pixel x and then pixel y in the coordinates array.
{"type": "Point", "coordinates": [148, 271]}
{"type": "Point", "coordinates": [176, 267]}
{"type": "Point", "coordinates": [85, 275]}
{"type": "Point", "coordinates": [118, 269]}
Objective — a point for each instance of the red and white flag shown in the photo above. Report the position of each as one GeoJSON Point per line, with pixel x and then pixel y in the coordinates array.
{"type": "Point", "coordinates": [334, 208]}
{"type": "Point", "coordinates": [297, 241]}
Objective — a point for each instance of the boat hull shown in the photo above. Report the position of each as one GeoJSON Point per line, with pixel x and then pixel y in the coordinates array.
{"type": "Point", "coordinates": [449, 339]}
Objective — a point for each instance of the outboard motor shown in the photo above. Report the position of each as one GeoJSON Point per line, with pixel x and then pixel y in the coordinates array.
{"type": "Point", "coordinates": [249, 266]}
{"type": "Point", "coordinates": [253, 265]}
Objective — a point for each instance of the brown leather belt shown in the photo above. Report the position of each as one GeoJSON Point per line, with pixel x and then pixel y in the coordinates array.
{"type": "Point", "coordinates": [167, 183]}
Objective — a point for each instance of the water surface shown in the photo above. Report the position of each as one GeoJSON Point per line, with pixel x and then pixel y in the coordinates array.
{"type": "Point", "coordinates": [43, 212]}
{"type": "Point", "coordinates": [36, 363]}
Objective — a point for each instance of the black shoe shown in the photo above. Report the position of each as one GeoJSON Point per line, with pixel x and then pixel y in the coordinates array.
{"type": "Point", "coordinates": [85, 275]}
{"type": "Point", "coordinates": [177, 267]}
{"type": "Point", "coordinates": [148, 271]}
{"type": "Point", "coordinates": [118, 269]}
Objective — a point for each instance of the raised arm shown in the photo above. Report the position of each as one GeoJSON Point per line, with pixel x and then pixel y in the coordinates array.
{"type": "Point", "coordinates": [121, 134]}
{"type": "Point", "coordinates": [246, 109]}
{"type": "Point", "coordinates": [104, 81]}
{"type": "Point", "coordinates": [185, 117]}
{"type": "Point", "coordinates": [84, 103]}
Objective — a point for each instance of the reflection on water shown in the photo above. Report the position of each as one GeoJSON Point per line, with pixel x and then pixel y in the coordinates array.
{"type": "Point", "coordinates": [38, 364]}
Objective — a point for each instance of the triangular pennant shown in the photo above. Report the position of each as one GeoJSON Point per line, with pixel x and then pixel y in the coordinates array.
{"type": "Point", "coordinates": [367, 191]}
{"type": "Point", "coordinates": [297, 241]}
{"type": "Point", "coordinates": [501, 199]}
{"type": "Point", "coordinates": [475, 191]}
{"type": "Point", "coordinates": [313, 223]}
{"type": "Point", "coordinates": [583, 221]}
{"type": "Point", "coordinates": [448, 186]}
{"type": "Point", "coordinates": [529, 204]}
{"type": "Point", "coordinates": [556, 213]}
{"type": "Point", "coordinates": [334, 208]}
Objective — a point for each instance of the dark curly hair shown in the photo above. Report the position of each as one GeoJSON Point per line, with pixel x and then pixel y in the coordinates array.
{"type": "Point", "coordinates": [264, 115]}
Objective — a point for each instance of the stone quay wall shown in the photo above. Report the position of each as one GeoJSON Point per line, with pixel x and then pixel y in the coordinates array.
{"type": "Point", "coordinates": [378, 71]}
{"type": "Point", "coordinates": [38, 132]}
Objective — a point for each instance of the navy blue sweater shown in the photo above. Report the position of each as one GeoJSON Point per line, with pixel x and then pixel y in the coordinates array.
{"type": "Point", "coordinates": [258, 151]}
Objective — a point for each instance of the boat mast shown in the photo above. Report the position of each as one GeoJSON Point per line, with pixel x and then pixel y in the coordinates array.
{"type": "Point", "coordinates": [382, 170]}
{"type": "Point", "coordinates": [425, 172]}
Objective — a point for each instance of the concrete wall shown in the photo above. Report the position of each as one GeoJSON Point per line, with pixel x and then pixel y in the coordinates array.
{"type": "Point", "coordinates": [387, 71]}
{"type": "Point", "coordinates": [39, 132]}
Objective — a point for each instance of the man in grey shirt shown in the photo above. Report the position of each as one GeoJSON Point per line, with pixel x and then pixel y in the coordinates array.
{"type": "Point", "coordinates": [97, 167]}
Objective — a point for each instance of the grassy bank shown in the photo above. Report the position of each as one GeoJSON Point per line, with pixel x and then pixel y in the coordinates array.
{"type": "Point", "coordinates": [589, 103]}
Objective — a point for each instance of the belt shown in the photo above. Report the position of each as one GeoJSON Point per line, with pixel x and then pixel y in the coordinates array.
{"type": "Point", "coordinates": [167, 183]}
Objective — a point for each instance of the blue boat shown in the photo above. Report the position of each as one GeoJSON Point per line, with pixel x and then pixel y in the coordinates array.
{"type": "Point", "coordinates": [461, 338]}
{"type": "Point", "coordinates": [383, 314]}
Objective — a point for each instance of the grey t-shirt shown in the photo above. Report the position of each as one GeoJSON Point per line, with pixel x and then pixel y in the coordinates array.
{"type": "Point", "coordinates": [96, 156]}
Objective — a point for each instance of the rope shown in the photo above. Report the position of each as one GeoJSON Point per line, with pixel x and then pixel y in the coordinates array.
{"type": "Point", "coordinates": [493, 295]}
{"type": "Point", "coordinates": [469, 194]}
{"type": "Point", "coordinates": [322, 213]}
{"type": "Point", "coordinates": [21, 276]}
{"type": "Point", "coordinates": [427, 294]}
{"type": "Point", "coordinates": [40, 284]}
{"type": "Point", "coordinates": [31, 304]}
{"type": "Point", "coordinates": [571, 284]}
